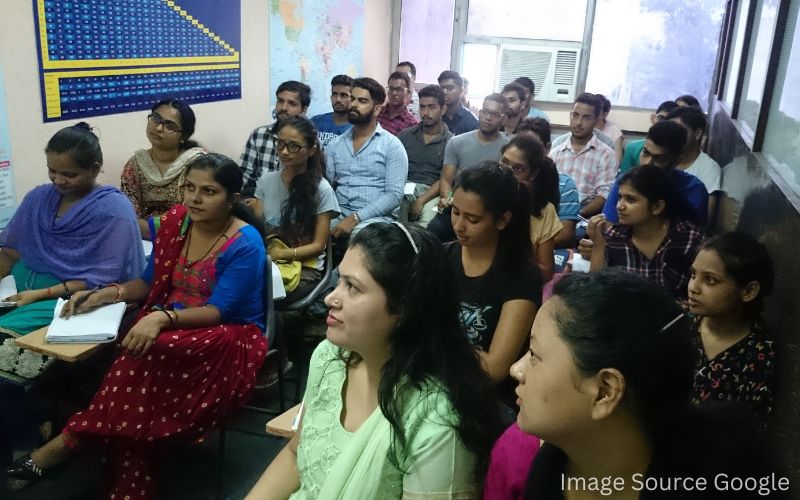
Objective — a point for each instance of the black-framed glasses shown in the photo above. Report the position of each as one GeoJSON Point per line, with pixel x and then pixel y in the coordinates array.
{"type": "Point", "coordinates": [293, 147]}
{"type": "Point", "coordinates": [494, 115]}
{"type": "Point", "coordinates": [169, 126]}
{"type": "Point", "coordinates": [517, 168]}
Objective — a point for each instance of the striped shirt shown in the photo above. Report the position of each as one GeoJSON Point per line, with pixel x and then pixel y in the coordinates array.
{"type": "Point", "coordinates": [593, 168]}
{"type": "Point", "coordinates": [369, 181]}
{"type": "Point", "coordinates": [672, 262]}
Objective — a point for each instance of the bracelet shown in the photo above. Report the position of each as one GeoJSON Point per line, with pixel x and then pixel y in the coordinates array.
{"type": "Point", "coordinates": [119, 292]}
{"type": "Point", "coordinates": [66, 290]}
{"type": "Point", "coordinates": [174, 317]}
{"type": "Point", "coordinates": [169, 317]}
{"type": "Point", "coordinates": [295, 253]}
{"type": "Point", "coordinates": [357, 218]}
{"type": "Point", "coordinates": [49, 293]}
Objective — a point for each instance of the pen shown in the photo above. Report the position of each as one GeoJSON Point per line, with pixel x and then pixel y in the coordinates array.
{"type": "Point", "coordinates": [83, 299]}
{"type": "Point", "coordinates": [298, 417]}
{"type": "Point", "coordinates": [583, 219]}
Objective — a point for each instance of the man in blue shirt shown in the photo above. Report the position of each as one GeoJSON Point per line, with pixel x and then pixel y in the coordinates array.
{"type": "Point", "coordinates": [366, 165]}
{"type": "Point", "coordinates": [662, 148]}
{"type": "Point", "coordinates": [457, 118]}
{"type": "Point", "coordinates": [334, 124]}
{"type": "Point", "coordinates": [529, 110]}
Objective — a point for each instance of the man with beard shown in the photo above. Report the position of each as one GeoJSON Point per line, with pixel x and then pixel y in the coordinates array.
{"type": "Point", "coordinates": [395, 116]}
{"type": "Point", "coordinates": [582, 156]}
{"type": "Point", "coordinates": [473, 148]}
{"type": "Point", "coordinates": [515, 95]}
{"type": "Point", "coordinates": [469, 150]}
{"type": "Point", "coordinates": [425, 145]}
{"type": "Point", "coordinates": [334, 124]}
{"type": "Point", "coordinates": [366, 165]}
{"type": "Point", "coordinates": [260, 153]}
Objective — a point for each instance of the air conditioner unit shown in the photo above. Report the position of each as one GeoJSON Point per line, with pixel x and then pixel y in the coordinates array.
{"type": "Point", "coordinates": [553, 68]}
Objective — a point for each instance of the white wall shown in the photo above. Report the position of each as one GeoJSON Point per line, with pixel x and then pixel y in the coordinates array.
{"type": "Point", "coordinates": [221, 126]}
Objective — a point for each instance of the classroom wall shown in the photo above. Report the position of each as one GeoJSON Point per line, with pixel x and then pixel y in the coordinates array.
{"type": "Point", "coordinates": [221, 126]}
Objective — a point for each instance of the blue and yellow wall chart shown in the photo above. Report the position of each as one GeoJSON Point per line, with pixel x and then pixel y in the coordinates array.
{"type": "Point", "coordinates": [100, 57]}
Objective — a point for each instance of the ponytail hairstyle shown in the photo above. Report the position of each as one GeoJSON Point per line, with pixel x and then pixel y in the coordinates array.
{"type": "Point", "coordinates": [227, 173]}
{"type": "Point", "coordinates": [654, 183]}
{"type": "Point", "coordinates": [299, 211]}
{"type": "Point", "coordinates": [428, 347]}
{"type": "Point", "coordinates": [543, 176]}
{"type": "Point", "coordinates": [746, 260]}
{"type": "Point", "coordinates": [80, 143]}
{"type": "Point", "coordinates": [188, 121]}
{"type": "Point", "coordinates": [500, 192]}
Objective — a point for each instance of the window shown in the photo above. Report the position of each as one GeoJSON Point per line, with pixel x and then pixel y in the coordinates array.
{"type": "Point", "coordinates": [758, 59]}
{"type": "Point", "coordinates": [782, 138]}
{"type": "Point", "coordinates": [645, 52]}
{"type": "Point", "coordinates": [527, 19]}
{"type": "Point", "coordinates": [735, 60]}
{"type": "Point", "coordinates": [426, 36]}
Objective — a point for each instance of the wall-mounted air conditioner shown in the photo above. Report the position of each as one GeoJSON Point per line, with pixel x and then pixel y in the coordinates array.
{"type": "Point", "coordinates": [553, 67]}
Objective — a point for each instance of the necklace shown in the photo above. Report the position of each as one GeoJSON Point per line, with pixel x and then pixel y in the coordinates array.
{"type": "Point", "coordinates": [190, 263]}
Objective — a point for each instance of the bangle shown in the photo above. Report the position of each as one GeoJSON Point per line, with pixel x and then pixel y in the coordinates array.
{"type": "Point", "coordinates": [174, 317]}
{"type": "Point", "coordinates": [169, 317]}
{"type": "Point", "coordinates": [119, 292]}
{"type": "Point", "coordinates": [295, 253]}
{"type": "Point", "coordinates": [49, 293]}
{"type": "Point", "coordinates": [357, 218]}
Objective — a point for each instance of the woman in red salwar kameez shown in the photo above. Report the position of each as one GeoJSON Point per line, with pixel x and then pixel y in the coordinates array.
{"type": "Point", "coordinates": [194, 351]}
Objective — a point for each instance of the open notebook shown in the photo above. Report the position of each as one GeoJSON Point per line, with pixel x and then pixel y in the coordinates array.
{"type": "Point", "coordinates": [8, 287]}
{"type": "Point", "coordinates": [99, 325]}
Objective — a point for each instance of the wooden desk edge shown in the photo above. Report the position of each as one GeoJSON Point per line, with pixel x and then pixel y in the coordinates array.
{"type": "Point", "coordinates": [281, 425]}
{"type": "Point", "coordinates": [71, 352]}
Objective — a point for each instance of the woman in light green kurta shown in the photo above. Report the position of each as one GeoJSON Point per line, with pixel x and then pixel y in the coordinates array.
{"type": "Point", "coordinates": [396, 405]}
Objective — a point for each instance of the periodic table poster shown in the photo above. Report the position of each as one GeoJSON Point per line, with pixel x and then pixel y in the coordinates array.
{"type": "Point", "coordinates": [100, 57]}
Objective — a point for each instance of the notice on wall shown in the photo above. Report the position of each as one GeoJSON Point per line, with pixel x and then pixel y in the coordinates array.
{"type": "Point", "coordinates": [6, 174]}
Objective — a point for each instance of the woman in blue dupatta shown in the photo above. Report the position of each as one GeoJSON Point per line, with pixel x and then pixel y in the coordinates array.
{"type": "Point", "coordinates": [66, 236]}
{"type": "Point", "coordinates": [396, 404]}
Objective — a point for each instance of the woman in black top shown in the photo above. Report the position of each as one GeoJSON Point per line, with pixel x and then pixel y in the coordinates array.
{"type": "Point", "coordinates": [499, 282]}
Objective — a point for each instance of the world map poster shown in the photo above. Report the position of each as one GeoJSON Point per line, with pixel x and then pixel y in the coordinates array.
{"type": "Point", "coordinates": [100, 57]}
{"type": "Point", "coordinates": [314, 40]}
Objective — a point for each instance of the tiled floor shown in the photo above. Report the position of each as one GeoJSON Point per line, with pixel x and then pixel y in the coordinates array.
{"type": "Point", "coordinates": [190, 472]}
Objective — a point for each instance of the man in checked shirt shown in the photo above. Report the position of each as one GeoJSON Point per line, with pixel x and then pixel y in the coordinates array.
{"type": "Point", "coordinates": [260, 153]}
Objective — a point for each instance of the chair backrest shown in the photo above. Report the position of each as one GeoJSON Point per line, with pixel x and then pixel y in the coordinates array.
{"type": "Point", "coordinates": [268, 303]}
{"type": "Point", "coordinates": [322, 286]}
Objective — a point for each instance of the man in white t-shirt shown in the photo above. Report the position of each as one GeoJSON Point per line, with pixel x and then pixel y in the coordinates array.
{"type": "Point", "coordinates": [695, 161]}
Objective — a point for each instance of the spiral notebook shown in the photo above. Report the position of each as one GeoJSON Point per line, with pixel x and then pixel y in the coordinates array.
{"type": "Point", "coordinates": [97, 326]}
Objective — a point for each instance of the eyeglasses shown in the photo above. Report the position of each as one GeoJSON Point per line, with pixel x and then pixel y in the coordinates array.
{"type": "Point", "coordinates": [170, 126]}
{"type": "Point", "coordinates": [517, 168]}
{"type": "Point", "coordinates": [293, 147]}
{"type": "Point", "coordinates": [396, 90]}
{"type": "Point", "coordinates": [494, 115]}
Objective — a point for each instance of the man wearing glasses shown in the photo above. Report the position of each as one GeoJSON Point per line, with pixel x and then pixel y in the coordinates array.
{"type": "Point", "coordinates": [469, 150]}
{"type": "Point", "coordinates": [475, 147]}
{"type": "Point", "coordinates": [260, 153]}
{"type": "Point", "coordinates": [395, 116]}
{"type": "Point", "coordinates": [332, 125]}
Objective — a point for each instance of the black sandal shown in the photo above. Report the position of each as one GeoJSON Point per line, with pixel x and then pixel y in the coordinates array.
{"type": "Point", "coordinates": [24, 472]}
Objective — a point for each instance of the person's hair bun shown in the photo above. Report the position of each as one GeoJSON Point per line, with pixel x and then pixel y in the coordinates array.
{"type": "Point", "coordinates": [83, 126]}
